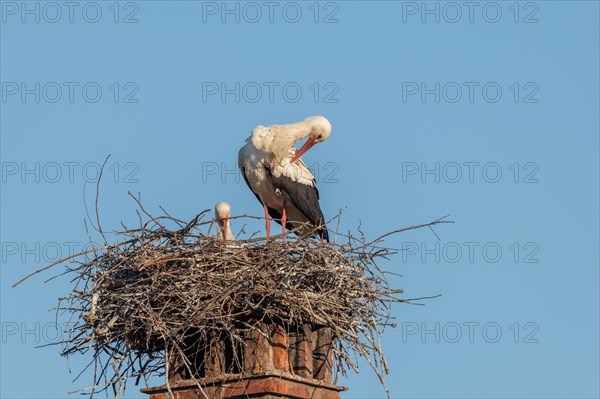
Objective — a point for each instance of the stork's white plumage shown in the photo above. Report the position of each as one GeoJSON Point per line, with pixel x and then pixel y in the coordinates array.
{"type": "Point", "coordinates": [222, 215]}
{"type": "Point", "coordinates": [279, 178]}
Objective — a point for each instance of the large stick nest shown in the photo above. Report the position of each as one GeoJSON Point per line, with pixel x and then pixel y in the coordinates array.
{"type": "Point", "coordinates": [158, 287]}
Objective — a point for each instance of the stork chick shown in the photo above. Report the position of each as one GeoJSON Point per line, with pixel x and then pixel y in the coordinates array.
{"type": "Point", "coordinates": [222, 216]}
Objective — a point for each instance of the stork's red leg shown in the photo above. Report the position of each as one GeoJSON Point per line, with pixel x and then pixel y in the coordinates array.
{"type": "Point", "coordinates": [283, 220]}
{"type": "Point", "coordinates": [267, 221]}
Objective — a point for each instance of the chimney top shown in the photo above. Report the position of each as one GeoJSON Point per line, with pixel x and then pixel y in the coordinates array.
{"type": "Point", "coordinates": [272, 363]}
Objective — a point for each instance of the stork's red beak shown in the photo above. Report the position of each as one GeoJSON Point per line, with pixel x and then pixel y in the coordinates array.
{"type": "Point", "coordinates": [224, 229]}
{"type": "Point", "coordinates": [309, 143]}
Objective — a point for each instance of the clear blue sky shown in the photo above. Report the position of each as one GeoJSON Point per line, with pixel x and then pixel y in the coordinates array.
{"type": "Point", "coordinates": [488, 112]}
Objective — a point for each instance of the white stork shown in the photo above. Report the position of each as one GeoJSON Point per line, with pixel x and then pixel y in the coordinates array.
{"type": "Point", "coordinates": [222, 215]}
{"type": "Point", "coordinates": [279, 178]}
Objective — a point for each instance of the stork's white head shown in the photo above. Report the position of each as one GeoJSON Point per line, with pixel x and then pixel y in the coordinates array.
{"type": "Point", "coordinates": [320, 129]}
{"type": "Point", "coordinates": [222, 215]}
{"type": "Point", "coordinates": [222, 210]}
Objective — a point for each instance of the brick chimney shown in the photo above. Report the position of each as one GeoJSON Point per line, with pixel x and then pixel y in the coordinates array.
{"type": "Point", "coordinates": [272, 363]}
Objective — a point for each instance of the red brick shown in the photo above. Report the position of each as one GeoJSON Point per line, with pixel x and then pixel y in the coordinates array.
{"type": "Point", "coordinates": [272, 385]}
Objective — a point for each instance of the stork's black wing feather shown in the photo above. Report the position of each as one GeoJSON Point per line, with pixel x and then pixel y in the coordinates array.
{"type": "Point", "coordinates": [305, 198]}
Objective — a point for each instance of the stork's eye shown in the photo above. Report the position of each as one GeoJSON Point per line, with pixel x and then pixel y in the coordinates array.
{"type": "Point", "coordinates": [319, 137]}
